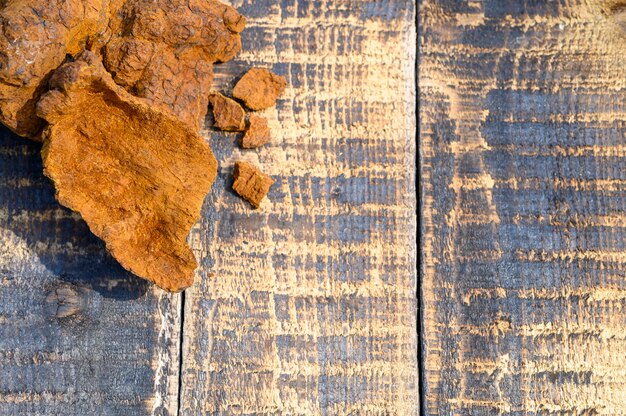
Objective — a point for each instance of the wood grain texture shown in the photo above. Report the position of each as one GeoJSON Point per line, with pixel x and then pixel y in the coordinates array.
{"type": "Point", "coordinates": [78, 334]}
{"type": "Point", "coordinates": [522, 133]}
{"type": "Point", "coordinates": [308, 305]}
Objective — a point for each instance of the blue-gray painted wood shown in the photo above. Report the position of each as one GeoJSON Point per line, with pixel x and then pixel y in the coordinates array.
{"type": "Point", "coordinates": [522, 138]}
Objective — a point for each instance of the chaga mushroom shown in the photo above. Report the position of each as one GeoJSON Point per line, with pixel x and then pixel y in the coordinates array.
{"type": "Point", "coordinates": [258, 133]}
{"type": "Point", "coordinates": [228, 114]}
{"type": "Point", "coordinates": [164, 50]}
{"type": "Point", "coordinates": [259, 88]}
{"type": "Point", "coordinates": [160, 50]}
{"type": "Point", "coordinates": [135, 173]}
{"type": "Point", "coordinates": [121, 146]}
{"type": "Point", "coordinates": [35, 37]}
{"type": "Point", "coordinates": [250, 183]}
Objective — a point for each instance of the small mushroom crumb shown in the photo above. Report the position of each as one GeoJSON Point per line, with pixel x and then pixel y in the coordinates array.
{"type": "Point", "coordinates": [250, 183]}
{"type": "Point", "coordinates": [259, 88]}
{"type": "Point", "coordinates": [258, 133]}
{"type": "Point", "coordinates": [228, 114]}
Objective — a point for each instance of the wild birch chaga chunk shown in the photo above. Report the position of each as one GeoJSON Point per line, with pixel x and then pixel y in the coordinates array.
{"type": "Point", "coordinates": [259, 88]}
{"type": "Point", "coordinates": [160, 50]}
{"type": "Point", "coordinates": [228, 114]}
{"type": "Point", "coordinates": [164, 51]}
{"type": "Point", "coordinates": [35, 37]}
{"type": "Point", "coordinates": [250, 183]}
{"type": "Point", "coordinates": [135, 173]}
{"type": "Point", "coordinates": [257, 134]}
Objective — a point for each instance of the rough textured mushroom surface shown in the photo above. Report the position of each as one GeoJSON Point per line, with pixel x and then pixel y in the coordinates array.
{"type": "Point", "coordinates": [164, 50]}
{"type": "Point", "coordinates": [135, 173]}
{"type": "Point", "coordinates": [250, 183]}
{"type": "Point", "coordinates": [35, 37]}
{"type": "Point", "coordinates": [257, 134]}
{"type": "Point", "coordinates": [227, 113]}
{"type": "Point", "coordinates": [160, 50]}
{"type": "Point", "coordinates": [259, 88]}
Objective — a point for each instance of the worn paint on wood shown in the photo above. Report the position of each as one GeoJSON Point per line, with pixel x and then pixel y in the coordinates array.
{"type": "Point", "coordinates": [522, 134]}
{"type": "Point", "coordinates": [308, 305]}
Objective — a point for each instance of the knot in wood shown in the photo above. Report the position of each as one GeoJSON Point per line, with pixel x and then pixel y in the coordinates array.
{"type": "Point", "coordinates": [64, 301]}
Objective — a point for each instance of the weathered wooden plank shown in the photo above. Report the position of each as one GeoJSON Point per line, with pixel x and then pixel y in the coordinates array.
{"type": "Point", "coordinates": [308, 305]}
{"type": "Point", "coordinates": [311, 307]}
{"type": "Point", "coordinates": [78, 335]}
{"type": "Point", "coordinates": [522, 133]}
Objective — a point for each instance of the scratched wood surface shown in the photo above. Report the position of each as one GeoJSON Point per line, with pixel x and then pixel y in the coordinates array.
{"type": "Point", "coordinates": [305, 306]}
{"type": "Point", "coordinates": [522, 144]}
{"type": "Point", "coordinates": [308, 305]}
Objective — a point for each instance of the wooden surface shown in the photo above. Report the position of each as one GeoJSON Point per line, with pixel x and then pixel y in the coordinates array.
{"type": "Point", "coordinates": [306, 306]}
{"type": "Point", "coordinates": [522, 132]}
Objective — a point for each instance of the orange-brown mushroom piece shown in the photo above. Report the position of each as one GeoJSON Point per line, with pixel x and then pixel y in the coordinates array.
{"type": "Point", "coordinates": [227, 113]}
{"type": "Point", "coordinates": [135, 173]}
{"type": "Point", "coordinates": [259, 88]}
{"type": "Point", "coordinates": [250, 183]}
{"type": "Point", "coordinates": [165, 51]}
{"type": "Point", "coordinates": [35, 38]}
{"type": "Point", "coordinates": [257, 134]}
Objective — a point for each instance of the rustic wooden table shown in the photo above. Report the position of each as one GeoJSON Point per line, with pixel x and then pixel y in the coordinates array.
{"type": "Point", "coordinates": [306, 306]}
